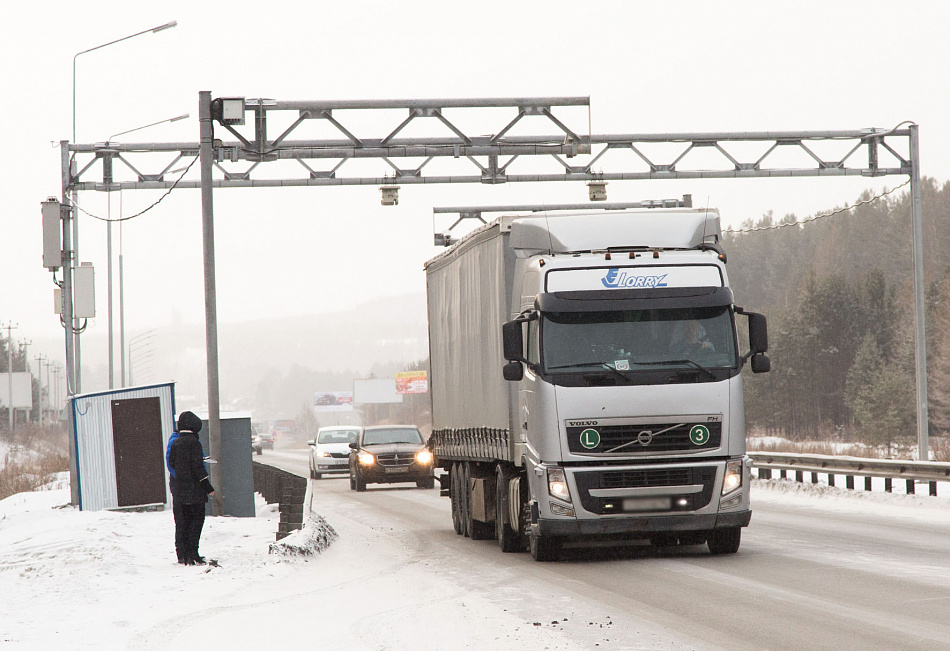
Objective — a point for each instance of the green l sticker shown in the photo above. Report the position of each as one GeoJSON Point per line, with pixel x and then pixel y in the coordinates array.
{"type": "Point", "coordinates": [699, 435]}
{"type": "Point", "coordinates": [590, 438]}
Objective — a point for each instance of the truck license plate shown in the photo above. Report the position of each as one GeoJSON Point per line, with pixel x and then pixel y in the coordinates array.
{"type": "Point", "coordinates": [647, 504]}
{"type": "Point", "coordinates": [397, 469]}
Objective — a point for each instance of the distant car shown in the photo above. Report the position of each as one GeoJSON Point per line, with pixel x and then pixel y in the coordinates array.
{"type": "Point", "coordinates": [387, 454]}
{"type": "Point", "coordinates": [267, 441]}
{"type": "Point", "coordinates": [257, 445]}
{"type": "Point", "coordinates": [330, 451]}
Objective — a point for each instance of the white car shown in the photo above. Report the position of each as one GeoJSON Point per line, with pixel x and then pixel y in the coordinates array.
{"type": "Point", "coordinates": [330, 451]}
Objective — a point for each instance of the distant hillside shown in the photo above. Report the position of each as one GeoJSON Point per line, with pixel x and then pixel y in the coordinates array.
{"type": "Point", "coordinates": [282, 360]}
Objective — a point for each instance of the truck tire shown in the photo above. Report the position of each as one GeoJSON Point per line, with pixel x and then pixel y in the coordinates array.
{"type": "Point", "coordinates": [456, 500]}
{"type": "Point", "coordinates": [544, 550]}
{"type": "Point", "coordinates": [509, 538]}
{"type": "Point", "coordinates": [724, 541]}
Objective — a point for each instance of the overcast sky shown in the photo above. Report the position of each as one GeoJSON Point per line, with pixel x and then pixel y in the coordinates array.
{"type": "Point", "coordinates": [647, 67]}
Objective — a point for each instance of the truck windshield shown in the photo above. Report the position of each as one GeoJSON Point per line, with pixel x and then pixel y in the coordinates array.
{"type": "Point", "coordinates": [635, 340]}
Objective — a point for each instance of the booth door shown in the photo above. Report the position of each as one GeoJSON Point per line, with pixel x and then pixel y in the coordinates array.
{"type": "Point", "coordinates": [139, 457]}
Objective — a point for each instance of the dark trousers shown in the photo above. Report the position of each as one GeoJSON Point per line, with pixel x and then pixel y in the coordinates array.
{"type": "Point", "coordinates": [189, 519]}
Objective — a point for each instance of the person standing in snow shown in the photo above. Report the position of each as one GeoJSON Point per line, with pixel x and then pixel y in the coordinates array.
{"type": "Point", "coordinates": [190, 487]}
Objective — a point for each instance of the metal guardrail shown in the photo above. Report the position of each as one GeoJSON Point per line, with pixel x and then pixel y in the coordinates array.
{"type": "Point", "coordinates": [910, 471]}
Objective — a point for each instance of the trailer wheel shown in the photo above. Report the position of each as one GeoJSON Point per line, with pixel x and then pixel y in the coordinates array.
{"type": "Point", "coordinates": [724, 541]}
{"type": "Point", "coordinates": [454, 496]}
{"type": "Point", "coordinates": [508, 537]}
{"type": "Point", "coordinates": [544, 550]}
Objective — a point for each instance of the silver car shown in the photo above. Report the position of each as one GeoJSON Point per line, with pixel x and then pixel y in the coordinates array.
{"type": "Point", "coordinates": [330, 451]}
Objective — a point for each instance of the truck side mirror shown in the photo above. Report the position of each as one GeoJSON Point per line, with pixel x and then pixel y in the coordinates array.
{"type": "Point", "coordinates": [513, 371]}
{"type": "Point", "coordinates": [761, 363]}
{"type": "Point", "coordinates": [758, 333]}
{"type": "Point", "coordinates": [513, 341]}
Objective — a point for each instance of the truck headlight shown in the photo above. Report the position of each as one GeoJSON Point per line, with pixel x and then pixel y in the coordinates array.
{"type": "Point", "coordinates": [557, 484]}
{"type": "Point", "coordinates": [424, 457]}
{"type": "Point", "coordinates": [732, 480]}
{"type": "Point", "coordinates": [366, 458]}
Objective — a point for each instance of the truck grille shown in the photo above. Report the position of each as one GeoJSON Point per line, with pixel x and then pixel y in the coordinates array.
{"type": "Point", "coordinates": [643, 438]}
{"type": "Point", "coordinates": [684, 476]}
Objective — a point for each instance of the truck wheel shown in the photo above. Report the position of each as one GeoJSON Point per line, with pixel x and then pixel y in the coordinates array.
{"type": "Point", "coordinates": [360, 483]}
{"type": "Point", "coordinates": [508, 537]}
{"type": "Point", "coordinates": [454, 495]}
{"type": "Point", "coordinates": [544, 550]}
{"type": "Point", "coordinates": [724, 541]}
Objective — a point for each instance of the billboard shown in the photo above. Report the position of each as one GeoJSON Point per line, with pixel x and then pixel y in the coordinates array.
{"type": "Point", "coordinates": [412, 382]}
{"type": "Point", "coordinates": [375, 392]}
{"type": "Point", "coordinates": [22, 390]}
{"type": "Point", "coordinates": [333, 401]}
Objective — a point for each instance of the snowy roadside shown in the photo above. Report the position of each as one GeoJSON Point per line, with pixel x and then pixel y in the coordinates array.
{"type": "Point", "coordinates": [73, 579]}
{"type": "Point", "coordinates": [107, 580]}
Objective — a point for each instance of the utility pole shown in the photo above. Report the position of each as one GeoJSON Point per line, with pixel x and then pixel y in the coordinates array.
{"type": "Point", "coordinates": [206, 161]}
{"type": "Point", "coordinates": [39, 381]}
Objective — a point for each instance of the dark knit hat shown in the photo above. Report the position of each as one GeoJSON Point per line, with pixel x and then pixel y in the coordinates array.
{"type": "Point", "coordinates": [187, 421]}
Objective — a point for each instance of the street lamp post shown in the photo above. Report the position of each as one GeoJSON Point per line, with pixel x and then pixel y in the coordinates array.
{"type": "Point", "coordinates": [74, 374]}
{"type": "Point", "coordinates": [109, 269]}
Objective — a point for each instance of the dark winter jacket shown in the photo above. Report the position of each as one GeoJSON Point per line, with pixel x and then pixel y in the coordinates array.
{"type": "Point", "coordinates": [189, 478]}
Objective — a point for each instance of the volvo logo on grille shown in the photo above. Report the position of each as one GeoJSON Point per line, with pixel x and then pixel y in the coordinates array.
{"type": "Point", "coordinates": [645, 437]}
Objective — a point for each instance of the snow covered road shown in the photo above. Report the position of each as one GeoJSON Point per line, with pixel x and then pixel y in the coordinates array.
{"type": "Point", "coordinates": [817, 569]}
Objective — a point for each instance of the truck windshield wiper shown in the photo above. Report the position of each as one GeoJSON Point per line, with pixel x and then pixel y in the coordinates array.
{"type": "Point", "coordinates": [604, 365]}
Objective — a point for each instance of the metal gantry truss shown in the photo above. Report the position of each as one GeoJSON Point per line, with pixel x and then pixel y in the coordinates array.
{"type": "Point", "coordinates": [571, 151]}
{"type": "Point", "coordinates": [494, 158]}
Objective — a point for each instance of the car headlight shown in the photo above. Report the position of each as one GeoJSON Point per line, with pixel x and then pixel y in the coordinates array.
{"type": "Point", "coordinates": [323, 453]}
{"type": "Point", "coordinates": [732, 480]}
{"type": "Point", "coordinates": [557, 484]}
{"type": "Point", "coordinates": [424, 457]}
{"type": "Point", "coordinates": [366, 458]}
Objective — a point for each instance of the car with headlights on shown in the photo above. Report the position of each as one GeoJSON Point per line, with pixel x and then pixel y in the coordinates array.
{"type": "Point", "coordinates": [330, 450]}
{"type": "Point", "coordinates": [386, 454]}
{"type": "Point", "coordinates": [257, 447]}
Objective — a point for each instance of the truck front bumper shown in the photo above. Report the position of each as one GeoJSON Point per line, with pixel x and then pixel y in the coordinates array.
{"type": "Point", "coordinates": [642, 525]}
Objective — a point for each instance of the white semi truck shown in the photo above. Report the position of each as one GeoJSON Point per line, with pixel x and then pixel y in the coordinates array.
{"type": "Point", "coordinates": [619, 413]}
